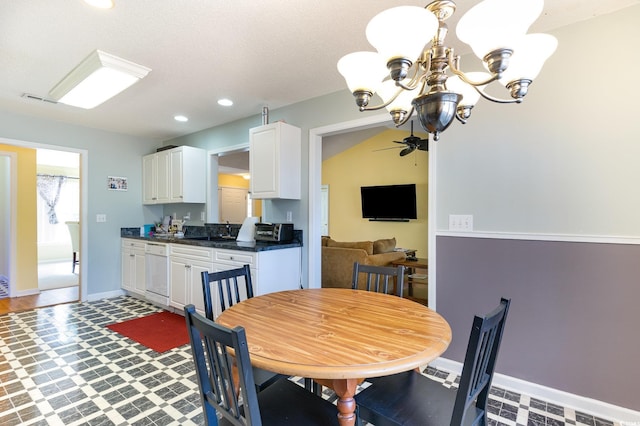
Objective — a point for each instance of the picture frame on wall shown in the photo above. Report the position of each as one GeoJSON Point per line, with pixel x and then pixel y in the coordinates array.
{"type": "Point", "coordinates": [116, 183]}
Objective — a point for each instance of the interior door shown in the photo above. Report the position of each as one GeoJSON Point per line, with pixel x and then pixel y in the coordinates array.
{"type": "Point", "coordinates": [233, 204]}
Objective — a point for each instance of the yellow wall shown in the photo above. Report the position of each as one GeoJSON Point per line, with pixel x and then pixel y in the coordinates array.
{"type": "Point", "coordinates": [235, 181]}
{"type": "Point", "coordinates": [362, 165]}
{"type": "Point", "coordinates": [26, 255]}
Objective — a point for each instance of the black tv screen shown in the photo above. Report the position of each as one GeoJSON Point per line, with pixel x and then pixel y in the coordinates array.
{"type": "Point", "coordinates": [389, 202]}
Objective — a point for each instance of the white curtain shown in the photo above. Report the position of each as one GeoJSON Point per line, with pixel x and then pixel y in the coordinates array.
{"type": "Point", "coordinates": [49, 189]}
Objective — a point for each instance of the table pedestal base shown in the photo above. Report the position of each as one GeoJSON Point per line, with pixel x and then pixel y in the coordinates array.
{"type": "Point", "coordinates": [346, 390]}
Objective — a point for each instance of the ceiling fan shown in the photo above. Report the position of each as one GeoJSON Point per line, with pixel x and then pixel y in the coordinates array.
{"type": "Point", "coordinates": [412, 143]}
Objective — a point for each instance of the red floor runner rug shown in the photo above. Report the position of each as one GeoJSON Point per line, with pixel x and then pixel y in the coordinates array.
{"type": "Point", "coordinates": [160, 332]}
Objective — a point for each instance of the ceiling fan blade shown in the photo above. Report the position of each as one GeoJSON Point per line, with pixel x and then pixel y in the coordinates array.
{"type": "Point", "coordinates": [384, 149]}
{"type": "Point", "coordinates": [407, 150]}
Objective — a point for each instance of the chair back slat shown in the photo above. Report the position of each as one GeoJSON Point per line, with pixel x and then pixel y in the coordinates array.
{"type": "Point", "coordinates": [210, 344]}
{"type": "Point", "coordinates": [479, 365]}
{"type": "Point", "coordinates": [230, 288]}
{"type": "Point", "coordinates": [379, 279]}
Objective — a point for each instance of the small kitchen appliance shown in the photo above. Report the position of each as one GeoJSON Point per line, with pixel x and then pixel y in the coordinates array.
{"type": "Point", "coordinates": [274, 232]}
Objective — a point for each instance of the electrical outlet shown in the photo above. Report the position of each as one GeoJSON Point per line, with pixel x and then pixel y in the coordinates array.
{"type": "Point", "coordinates": [460, 222]}
{"type": "Point", "coordinates": [202, 216]}
{"type": "Point", "coordinates": [289, 216]}
{"type": "Point", "coordinates": [101, 217]}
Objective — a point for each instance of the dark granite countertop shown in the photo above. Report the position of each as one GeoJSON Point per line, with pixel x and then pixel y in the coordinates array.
{"type": "Point", "coordinates": [219, 244]}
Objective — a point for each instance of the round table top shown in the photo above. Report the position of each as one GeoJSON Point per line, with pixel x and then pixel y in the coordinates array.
{"type": "Point", "coordinates": [333, 333]}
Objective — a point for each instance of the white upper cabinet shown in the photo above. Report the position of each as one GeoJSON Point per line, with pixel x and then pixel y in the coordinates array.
{"type": "Point", "coordinates": [274, 161]}
{"type": "Point", "coordinates": [176, 175]}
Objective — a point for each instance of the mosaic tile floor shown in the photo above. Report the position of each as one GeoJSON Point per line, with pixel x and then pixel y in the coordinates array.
{"type": "Point", "coordinates": [61, 366]}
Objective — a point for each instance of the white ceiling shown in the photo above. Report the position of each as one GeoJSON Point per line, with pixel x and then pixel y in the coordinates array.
{"type": "Point", "coordinates": [271, 53]}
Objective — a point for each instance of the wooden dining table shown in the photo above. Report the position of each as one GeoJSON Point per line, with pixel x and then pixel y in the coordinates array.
{"type": "Point", "coordinates": [338, 337]}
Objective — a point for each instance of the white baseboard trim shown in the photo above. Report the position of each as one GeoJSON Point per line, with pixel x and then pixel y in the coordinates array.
{"type": "Point", "coordinates": [586, 405]}
{"type": "Point", "coordinates": [106, 295]}
{"type": "Point", "coordinates": [30, 292]}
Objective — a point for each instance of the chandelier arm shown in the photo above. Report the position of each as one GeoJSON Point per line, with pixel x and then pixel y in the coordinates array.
{"type": "Point", "coordinates": [383, 105]}
{"type": "Point", "coordinates": [406, 117]}
{"type": "Point", "coordinates": [460, 119]}
{"type": "Point", "coordinates": [417, 75]}
{"type": "Point", "coordinates": [497, 100]}
{"type": "Point", "coordinates": [454, 66]}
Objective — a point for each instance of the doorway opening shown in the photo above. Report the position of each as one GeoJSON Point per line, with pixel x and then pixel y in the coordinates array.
{"type": "Point", "coordinates": [58, 219]}
{"type": "Point", "coordinates": [316, 136]}
{"type": "Point", "coordinates": [23, 282]}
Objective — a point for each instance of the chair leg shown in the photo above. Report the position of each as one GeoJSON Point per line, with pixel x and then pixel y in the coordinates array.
{"type": "Point", "coordinates": [312, 387]}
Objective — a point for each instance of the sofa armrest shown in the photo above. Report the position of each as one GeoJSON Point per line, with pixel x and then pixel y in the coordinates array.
{"type": "Point", "coordinates": [337, 265]}
{"type": "Point", "coordinates": [384, 259]}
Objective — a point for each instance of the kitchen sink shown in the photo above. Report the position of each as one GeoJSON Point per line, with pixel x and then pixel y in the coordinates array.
{"type": "Point", "coordinates": [214, 238]}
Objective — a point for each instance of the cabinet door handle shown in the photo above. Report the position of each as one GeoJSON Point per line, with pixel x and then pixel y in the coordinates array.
{"type": "Point", "coordinates": [132, 255]}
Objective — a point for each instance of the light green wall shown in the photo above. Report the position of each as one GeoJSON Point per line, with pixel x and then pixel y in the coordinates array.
{"type": "Point", "coordinates": [565, 161]}
{"type": "Point", "coordinates": [372, 163]}
{"type": "Point", "coordinates": [107, 154]}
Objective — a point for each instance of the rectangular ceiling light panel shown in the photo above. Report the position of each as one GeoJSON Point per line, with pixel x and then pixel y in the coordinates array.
{"type": "Point", "coordinates": [100, 76]}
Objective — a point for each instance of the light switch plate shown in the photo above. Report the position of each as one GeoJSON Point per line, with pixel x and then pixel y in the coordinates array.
{"type": "Point", "coordinates": [460, 222]}
{"type": "Point", "coordinates": [101, 217]}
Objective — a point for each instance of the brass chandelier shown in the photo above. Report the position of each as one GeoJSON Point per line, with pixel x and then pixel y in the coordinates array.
{"type": "Point", "coordinates": [409, 72]}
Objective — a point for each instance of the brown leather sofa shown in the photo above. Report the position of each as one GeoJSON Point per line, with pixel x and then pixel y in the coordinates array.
{"type": "Point", "coordinates": [338, 258]}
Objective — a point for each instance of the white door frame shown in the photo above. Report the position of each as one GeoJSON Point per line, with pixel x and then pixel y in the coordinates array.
{"type": "Point", "coordinates": [84, 206]}
{"type": "Point", "coordinates": [212, 177]}
{"type": "Point", "coordinates": [13, 215]}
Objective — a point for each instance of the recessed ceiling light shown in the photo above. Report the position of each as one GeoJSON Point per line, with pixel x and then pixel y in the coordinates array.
{"type": "Point", "coordinates": [102, 4]}
{"type": "Point", "coordinates": [225, 102]}
{"type": "Point", "coordinates": [181, 118]}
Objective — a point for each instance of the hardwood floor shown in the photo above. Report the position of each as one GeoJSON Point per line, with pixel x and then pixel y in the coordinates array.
{"type": "Point", "coordinates": [45, 298]}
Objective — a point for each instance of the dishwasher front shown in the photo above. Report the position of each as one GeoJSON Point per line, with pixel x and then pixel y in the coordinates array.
{"type": "Point", "coordinates": [157, 273]}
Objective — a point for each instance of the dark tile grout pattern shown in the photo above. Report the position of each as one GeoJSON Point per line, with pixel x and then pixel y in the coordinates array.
{"type": "Point", "coordinates": [60, 365]}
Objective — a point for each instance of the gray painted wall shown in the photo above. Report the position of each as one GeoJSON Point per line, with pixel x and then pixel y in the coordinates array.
{"type": "Point", "coordinates": [574, 318]}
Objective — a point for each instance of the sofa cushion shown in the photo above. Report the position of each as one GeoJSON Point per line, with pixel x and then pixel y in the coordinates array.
{"type": "Point", "coordinates": [384, 246]}
{"type": "Point", "coordinates": [363, 245]}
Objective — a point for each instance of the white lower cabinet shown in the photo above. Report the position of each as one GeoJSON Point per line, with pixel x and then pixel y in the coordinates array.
{"type": "Point", "coordinates": [271, 270]}
{"type": "Point", "coordinates": [133, 266]}
{"type": "Point", "coordinates": [186, 264]}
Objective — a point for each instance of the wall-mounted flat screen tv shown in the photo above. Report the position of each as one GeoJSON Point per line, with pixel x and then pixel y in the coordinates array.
{"type": "Point", "coordinates": [389, 202]}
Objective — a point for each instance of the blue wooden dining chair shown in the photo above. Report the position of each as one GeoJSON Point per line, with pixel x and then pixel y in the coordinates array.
{"type": "Point", "coordinates": [234, 286]}
{"type": "Point", "coordinates": [381, 279]}
{"type": "Point", "coordinates": [215, 350]}
{"type": "Point", "coordinates": [412, 399]}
